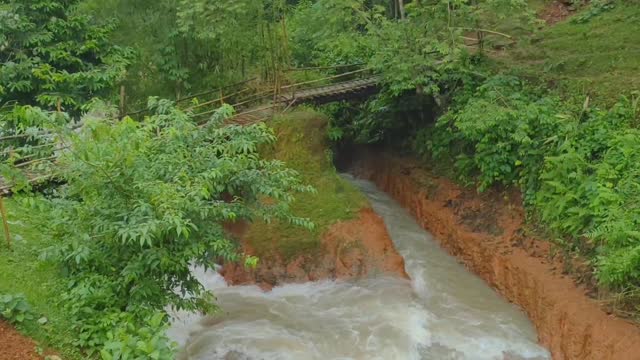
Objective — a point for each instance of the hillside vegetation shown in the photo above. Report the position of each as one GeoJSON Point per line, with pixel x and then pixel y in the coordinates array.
{"type": "Point", "coordinates": [593, 52]}
{"type": "Point", "coordinates": [560, 122]}
{"type": "Point", "coordinates": [110, 211]}
{"type": "Point", "coordinates": [302, 145]}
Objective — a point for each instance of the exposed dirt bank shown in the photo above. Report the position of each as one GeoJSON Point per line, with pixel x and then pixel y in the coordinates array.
{"type": "Point", "coordinates": [15, 346]}
{"type": "Point", "coordinates": [350, 249]}
{"type": "Point", "coordinates": [485, 232]}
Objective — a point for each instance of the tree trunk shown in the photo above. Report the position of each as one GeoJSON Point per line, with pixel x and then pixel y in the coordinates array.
{"type": "Point", "coordinates": [401, 8]}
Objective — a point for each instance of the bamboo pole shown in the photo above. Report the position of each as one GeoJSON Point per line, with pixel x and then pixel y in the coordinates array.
{"type": "Point", "coordinates": [323, 67]}
{"type": "Point", "coordinates": [287, 52]}
{"type": "Point", "coordinates": [220, 99]}
{"type": "Point", "coordinates": [215, 90]}
{"type": "Point", "coordinates": [5, 222]}
{"type": "Point", "coordinates": [323, 79]}
{"type": "Point", "coordinates": [7, 188]}
{"type": "Point", "coordinates": [35, 161]}
{"type": "Point", "coordinates": [486, 31]}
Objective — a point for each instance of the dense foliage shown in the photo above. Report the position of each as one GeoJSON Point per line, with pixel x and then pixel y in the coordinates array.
{"type": "Point", "coordinates": [425, 51]}
{"type": "Point", "coordinates": [53, 57]}
{"type": "Point", "coordinates": [155, 196]}
{"type": "Point", "coordinates": [422, 58]}
{"type": "Point", "coordinates": [577, 166]}
{"type": "Point", "coordinates": [14, 308]}
{"type": "Point", "coordinates": [184, 47]}
{"type": "Point", "coordinates": [139, 203]}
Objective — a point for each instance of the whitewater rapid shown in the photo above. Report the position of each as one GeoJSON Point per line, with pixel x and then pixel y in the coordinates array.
{"type": "Point", "coordinates": [443, 312]}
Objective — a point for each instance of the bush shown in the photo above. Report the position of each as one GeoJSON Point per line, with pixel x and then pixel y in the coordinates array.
{"type": "Point", "coordinates": [128, 342]}
{"type": "Point", "coordinates": [14, 308]}
{"type": "Point", "coordinates": [498, 134]}
{"type": "Point", "coordinates": [144, 201]}
{"type": "Point", "coordinates": [53, 56]}
{"type": "Point", "coordinates": [578, 169]}
{"type": "Point", "coordinates": [590, 193]}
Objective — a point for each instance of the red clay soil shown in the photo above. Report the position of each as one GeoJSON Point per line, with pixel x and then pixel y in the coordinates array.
{"type": "Point", "coordinates": [351, 249]}
{"type": "Point", "coordinates": [15, 346]}
{"type": "Point", "coordinates": [485, 233]}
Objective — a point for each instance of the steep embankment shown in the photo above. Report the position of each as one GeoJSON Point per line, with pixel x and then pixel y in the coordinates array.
{"type": "Point", "coordinates": [350, 240]}
{"type": "Point", "coordinates": [485, 232]}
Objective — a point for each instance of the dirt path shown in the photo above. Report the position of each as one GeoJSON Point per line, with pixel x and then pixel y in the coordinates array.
{"type": "Point", "coordinates": [15, 346]}
{"type": "Point", "coordinates": [485, 232]}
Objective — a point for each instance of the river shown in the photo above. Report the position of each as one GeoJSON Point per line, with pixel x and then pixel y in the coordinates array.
{"type": "Point", "coordinates": [444, 312]}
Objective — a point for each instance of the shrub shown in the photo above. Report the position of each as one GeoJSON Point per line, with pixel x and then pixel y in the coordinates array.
{"type": "Point", "coordinates": [578, 169]}
{"type": "Point", "coordinates": [498, 134]}
{"type": "Point", "coordinates": [145, 201]}
{"type": "Point", "coordinates": [14, 308]}
{"type": "Point", "coordinates": [590, 193]}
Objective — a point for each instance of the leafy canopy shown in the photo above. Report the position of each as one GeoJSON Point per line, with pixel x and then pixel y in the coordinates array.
{"type": "Point", "coordinates": [143, 202]}
{"type": "Point", "coordinates": [52, 56]}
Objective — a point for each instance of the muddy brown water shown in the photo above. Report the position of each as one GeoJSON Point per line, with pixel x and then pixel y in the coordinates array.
{"type": "Point", "coordinates": [443, 312]}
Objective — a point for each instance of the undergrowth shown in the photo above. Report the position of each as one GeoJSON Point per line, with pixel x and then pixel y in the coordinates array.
{"type": "Point", "coordinates": [302, 145]}
{"type": "Point", "coordinates": [577, 166]}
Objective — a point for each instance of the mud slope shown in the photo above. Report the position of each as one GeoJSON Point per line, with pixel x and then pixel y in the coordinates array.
{"type": "Point", "coordinates": [485, 232]}
{"type": "Point", "coordinates": [350, 249]}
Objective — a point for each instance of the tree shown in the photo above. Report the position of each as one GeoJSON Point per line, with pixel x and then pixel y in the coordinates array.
{"type": "Point", "coordinates": [143, 202]}
{"type": "Point", "coordinates": [53, 57]}
{"type": "Point", "coordinates": [248, 35]}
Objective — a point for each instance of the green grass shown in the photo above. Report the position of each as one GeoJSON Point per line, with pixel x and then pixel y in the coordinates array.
{"type": "Point", "coordinates": [302, 146]}
{"type": "Point", "coordinates": [40, 282]}
{"type": "Point", "coordinates": [598, 57]}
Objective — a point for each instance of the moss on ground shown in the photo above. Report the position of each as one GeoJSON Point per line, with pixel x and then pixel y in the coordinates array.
{"type": "Point", "coordinates": [22, 272]}
{"type": "Point", "coordinates": [597, 57]}
{"type": "Point", "coordinates": [302, 145]}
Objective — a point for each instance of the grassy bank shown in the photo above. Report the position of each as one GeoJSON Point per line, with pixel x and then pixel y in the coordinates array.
{"type": "Point", "coordinates": [40, 282]}
{"type": "Point", "coordinates": [302, 145]}
{"type": "Point", "coordinates": [593, 52]}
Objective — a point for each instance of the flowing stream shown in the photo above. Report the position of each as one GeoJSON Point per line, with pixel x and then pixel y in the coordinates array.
{"type": "Point", "coordinates": [444, 312]}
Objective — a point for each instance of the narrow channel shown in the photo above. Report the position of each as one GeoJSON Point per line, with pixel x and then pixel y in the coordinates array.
{"type": "Point", "coordinates": [444, 312]}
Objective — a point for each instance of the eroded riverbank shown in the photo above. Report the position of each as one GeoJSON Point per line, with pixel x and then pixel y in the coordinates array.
{"type": "Point", "coordinates": [349, 249]}
{"type": "Point", "coordinates": [486, 234]}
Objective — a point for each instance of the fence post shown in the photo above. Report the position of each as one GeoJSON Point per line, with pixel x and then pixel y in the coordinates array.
{"type": "Point", "coordinates": [123, 103]}
{"type": "Point", "coordinates": [275, 88]}
{"type": "Point", "coordinates": [5, 222]}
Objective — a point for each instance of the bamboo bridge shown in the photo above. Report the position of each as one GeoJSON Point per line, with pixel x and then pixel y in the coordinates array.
{"type": "Point", "coordinates": [252, 100]}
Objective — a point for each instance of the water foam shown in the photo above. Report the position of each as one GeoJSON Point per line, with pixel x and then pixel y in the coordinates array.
{"type": "Point", "coordinates": [444, 312]}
